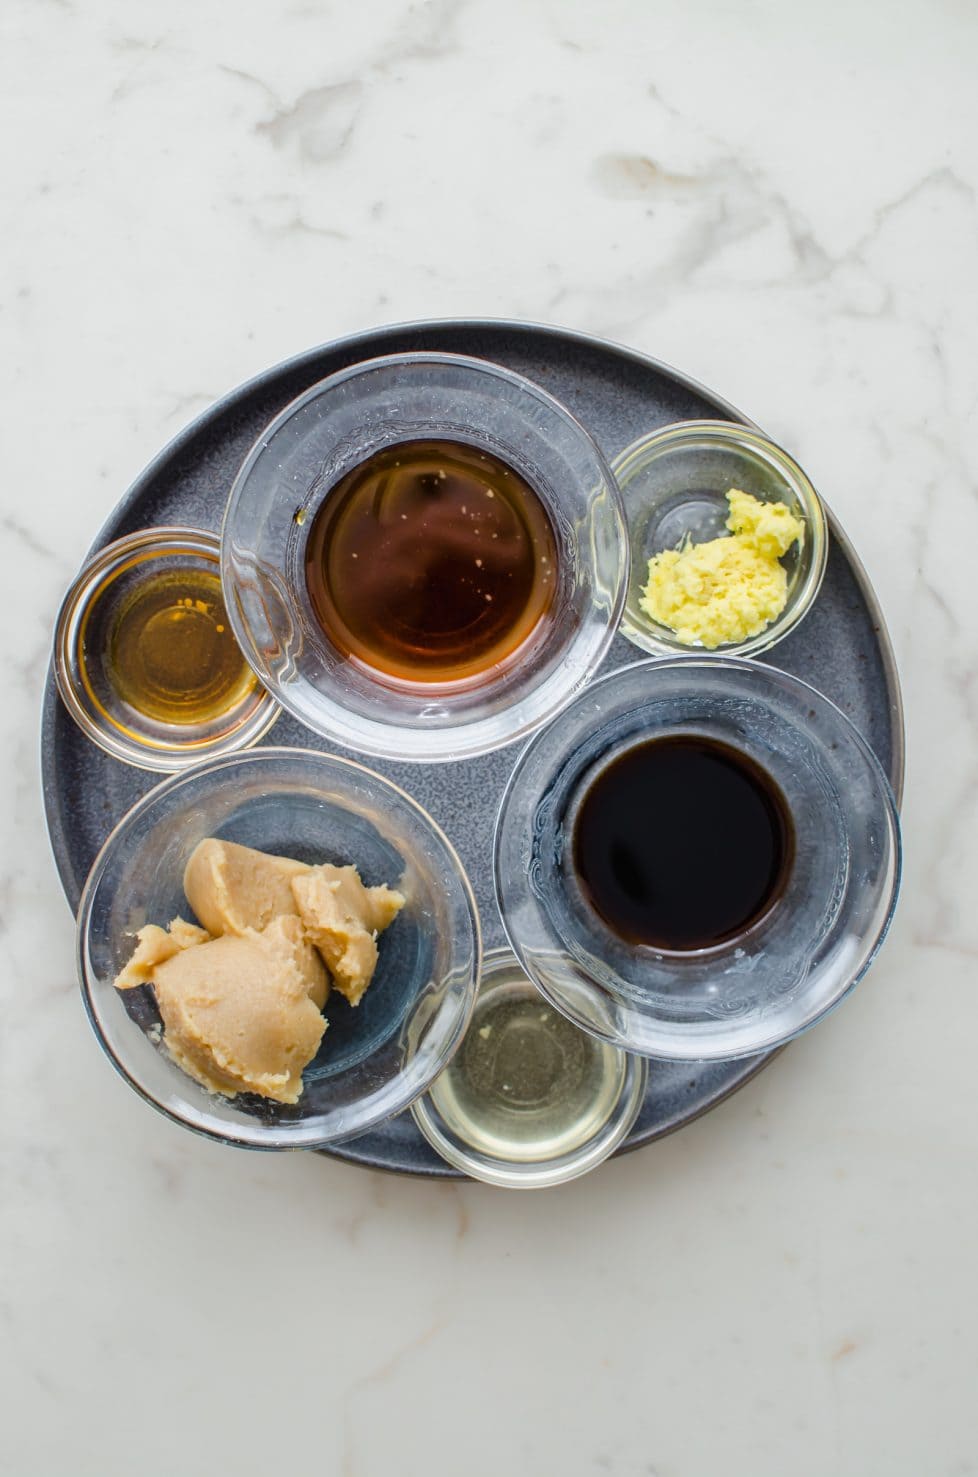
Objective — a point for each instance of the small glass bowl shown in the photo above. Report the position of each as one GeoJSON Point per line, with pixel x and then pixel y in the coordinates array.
{"type": "Point", "coordinates": [82, 669]}
{"type": "Point", "coordinates": [763, 987]}
{"type": "Point", "coordinates": [375, 1059]}
{"type": "Point", "coordinates": [674, 483]}
{"type": "Point", "coordinates": [334, 427]}
{"type": "Point", "coordinates": [519, 1150]}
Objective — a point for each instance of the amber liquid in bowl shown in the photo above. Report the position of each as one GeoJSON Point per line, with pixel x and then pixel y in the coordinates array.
{"type": "Point", "coordinates": [431, 562]}
{"type": "Point", "coordinates": [171, 653]}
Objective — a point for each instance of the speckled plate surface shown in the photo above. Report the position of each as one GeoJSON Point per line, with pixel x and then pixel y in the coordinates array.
{"type": "Point", "coordinates": [841, 647]}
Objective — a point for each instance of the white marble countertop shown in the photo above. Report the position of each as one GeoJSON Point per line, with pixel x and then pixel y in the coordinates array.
{"type": "Point", "coordinates": [780, 200]}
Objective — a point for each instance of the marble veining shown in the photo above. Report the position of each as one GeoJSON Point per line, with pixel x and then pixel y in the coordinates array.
{"type": "Point", "coordinates": [781, 201]}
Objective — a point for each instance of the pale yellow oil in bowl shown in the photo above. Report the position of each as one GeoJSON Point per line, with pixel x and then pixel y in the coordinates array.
{"type": "Point", "coordinates": [526, 1085]}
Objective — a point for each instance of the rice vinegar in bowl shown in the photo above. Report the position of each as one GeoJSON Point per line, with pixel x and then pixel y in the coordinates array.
{"type": "Point", "coordinates": [529, 1099]}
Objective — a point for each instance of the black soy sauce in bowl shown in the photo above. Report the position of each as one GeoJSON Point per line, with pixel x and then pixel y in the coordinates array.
{"type": "Point", "coordinates": [682, 843]}
{"type": "Point", "coordinates": [804, 932]}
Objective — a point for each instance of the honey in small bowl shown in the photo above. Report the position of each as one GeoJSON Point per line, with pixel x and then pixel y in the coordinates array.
{"type": "Point", "coordinates": [171, 652]}
{"type": "Point", "coordinates": [146, 660]}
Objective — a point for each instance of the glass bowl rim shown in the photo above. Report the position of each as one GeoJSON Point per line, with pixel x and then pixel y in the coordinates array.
{"type": "Point", "coordinates": [162, 540]}
{"type": "Point", "coordinates": [732, 436]}
{"type": "Point", "coordinates": [261, 1137]}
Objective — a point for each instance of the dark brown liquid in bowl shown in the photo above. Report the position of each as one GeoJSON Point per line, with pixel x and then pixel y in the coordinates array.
{"type": "Point", "coordinates": [682, 843]}
{"type": "Point", "coordinates": [432, 561]}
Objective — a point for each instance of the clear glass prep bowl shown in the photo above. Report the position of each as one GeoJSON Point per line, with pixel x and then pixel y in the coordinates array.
{"type": "Point", "coordinates": [375, 1059]}
{"type": "Point", "coordinates": [82, 673]}
{"type": "Point", "coordinates": [674, 483]}
{"type": "Point", "coordinates": [760, 990]}
{"type": "Point", "coordinates": [501, 974]}
{"type": "Point", "coordinates": [335, 426]}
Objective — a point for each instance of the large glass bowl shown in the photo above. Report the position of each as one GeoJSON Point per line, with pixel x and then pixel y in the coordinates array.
{"type": "Point", "coordinates": [759, 990]}
{"type": "Point", "coordinates": [292, 470]}
{"type": "Point", "coordinates": [374, 1060]}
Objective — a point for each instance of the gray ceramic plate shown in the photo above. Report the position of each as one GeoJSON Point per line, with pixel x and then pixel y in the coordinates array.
{"type": "Point", "coordinates": [841, 647]}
